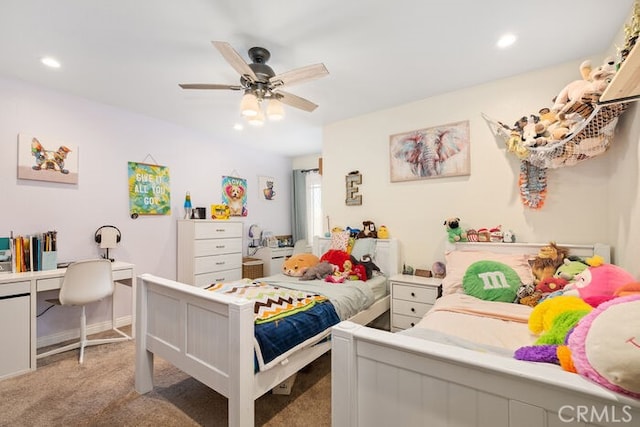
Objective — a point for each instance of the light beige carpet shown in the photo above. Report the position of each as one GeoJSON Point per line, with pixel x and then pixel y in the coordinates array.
{"type": "Point", "coordinates": [100, 393]}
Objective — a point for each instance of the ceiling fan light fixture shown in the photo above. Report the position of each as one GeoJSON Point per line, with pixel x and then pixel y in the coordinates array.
{"type": "Point", "coordinates": [249, 106]}
{"type": "Point", "coordinates": [275, 109]}
{"type": "Point", "coordinates": [257, 120]}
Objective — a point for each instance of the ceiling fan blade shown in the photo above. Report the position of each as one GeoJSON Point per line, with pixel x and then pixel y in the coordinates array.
{"type": "Point", "coordinates": [235, 60]}
{"type": "Point", "coordinates": [208, 86]}
{"type": "Point", "coordinates": [299, 75]}
{"type": "Point", "coordinates": [296, 101]}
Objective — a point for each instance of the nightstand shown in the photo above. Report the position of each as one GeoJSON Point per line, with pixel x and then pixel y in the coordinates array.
{"type": "Point", "coordinates": [411, 298]}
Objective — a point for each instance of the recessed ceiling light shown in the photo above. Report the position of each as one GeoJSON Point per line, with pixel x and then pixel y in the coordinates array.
{"type": "Point", "coordinates": [238, 126]}
{"type": "Point", "coordinates": [506, 40]}
{"type": "Point", "coordinates": [50, 62]}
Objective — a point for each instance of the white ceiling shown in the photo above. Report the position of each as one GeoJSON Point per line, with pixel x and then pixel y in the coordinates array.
{"type": "Point", "coordinates": [380, 53]}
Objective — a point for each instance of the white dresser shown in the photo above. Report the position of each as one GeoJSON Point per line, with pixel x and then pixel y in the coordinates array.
{"type": "Point", "coordinates": [209, 251]}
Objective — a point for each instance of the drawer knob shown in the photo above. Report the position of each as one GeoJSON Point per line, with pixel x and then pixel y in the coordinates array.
{"type": "Point", "coordinates": [220, 263]}
{"type": "Point", "coordinates": [413, 324]}
{"type": "Point", "coordinates": [413, 294]}
{"type": "Point", "coordinates": [413, 310]}
{"type": "Point", "coordinates": [220, 247]}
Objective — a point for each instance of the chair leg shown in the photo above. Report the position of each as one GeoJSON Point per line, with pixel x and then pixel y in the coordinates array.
{"type": "Point", "coordinates": [83, 333]}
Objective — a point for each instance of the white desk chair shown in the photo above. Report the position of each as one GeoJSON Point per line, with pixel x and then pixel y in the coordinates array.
{"type": "Point", "coordinates": [85, 282]}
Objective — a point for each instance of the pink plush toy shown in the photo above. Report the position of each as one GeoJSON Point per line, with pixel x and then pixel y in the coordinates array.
{"type": "Point", "coordinates": [605, 345]}
{"type": "Point", "coordinates": [598, 284]}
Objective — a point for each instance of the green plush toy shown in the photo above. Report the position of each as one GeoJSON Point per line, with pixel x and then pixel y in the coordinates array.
{"type": "Point", "coordinates": [454, 231]}
{"type": "Point", "coordinates": [569, 269]}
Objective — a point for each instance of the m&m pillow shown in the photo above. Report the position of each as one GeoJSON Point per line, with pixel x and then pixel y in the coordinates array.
{"type": "Point", "coordinates": [491, 281]}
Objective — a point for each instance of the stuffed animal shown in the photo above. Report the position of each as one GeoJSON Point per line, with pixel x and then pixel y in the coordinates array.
{"type": "Point", "coordinates": [551, 284]}
{"type": "Point", "coordinates": [604, 345]}
{"type": "Point", "coordinates": [455, 233]}
{"type": "Point", "coordinates": [368, 230]}
{"type": "Point", "coordinates": [508, 237]}
{"type": "Point", "coordinates": [547, 261]}
{"type": "Point", "coordinates": [588, 89]}
{"type": "Point", "coordinates": [383, 232]}
{"type": "Point", "coordinates": [297, 264]}
{"type": "Point", "coordinates": [570, 269]}
{"type": "Point", "coordinates": [318, 271]}
{"type": "Point", "coordinates": [598, 284]}
{"type": "Point", "coordinates": [341, 259]}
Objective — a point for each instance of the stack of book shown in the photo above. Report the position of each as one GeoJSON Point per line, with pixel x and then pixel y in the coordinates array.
{"type": "Point", "coordinates": [29, 253]}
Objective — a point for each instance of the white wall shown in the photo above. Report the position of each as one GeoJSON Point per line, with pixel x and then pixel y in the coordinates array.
{"type": "Point", "coordinates": [107, 139]}
{"type": "Point", "coordinates": [581, 200]}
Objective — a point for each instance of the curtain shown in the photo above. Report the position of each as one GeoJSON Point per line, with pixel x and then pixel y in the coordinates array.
{"type": "Point", "coordinates": [299, 206]}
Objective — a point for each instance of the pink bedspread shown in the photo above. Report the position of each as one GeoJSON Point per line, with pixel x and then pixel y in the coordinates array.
{"type": "Point", "coordinates": [496, 324]}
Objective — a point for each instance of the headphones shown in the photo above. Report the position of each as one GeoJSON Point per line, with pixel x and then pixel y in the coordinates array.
{"type": "Point", "coordinates": [98, 235]}
{"type": "Point", "coordinates": [255, 231]}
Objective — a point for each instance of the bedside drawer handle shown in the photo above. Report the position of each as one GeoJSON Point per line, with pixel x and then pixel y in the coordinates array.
{"type": "Point", "coordinates": [413, 310]}
{"type": "Point", "coordinates": [413, 294]}
{"type": "Point", "coordinates": [220, 230]}
{"type": "Point", "coordinates": [413, 324]}
{"type": "Point", "coordinates": [220, 247]}
{"type": "Point", "coordinates": [220, 263]}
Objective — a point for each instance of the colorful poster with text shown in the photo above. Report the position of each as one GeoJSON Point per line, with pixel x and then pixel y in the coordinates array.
{"type": "Point", "coordinates": [149, 190]}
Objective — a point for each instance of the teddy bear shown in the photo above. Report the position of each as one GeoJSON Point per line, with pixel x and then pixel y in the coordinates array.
{"type": "Point", "coordinates": [588, 89]}
{"type": "Point", "coordinates": [454, 232]}
{"type": "Point", "coordinates": [368, 230]}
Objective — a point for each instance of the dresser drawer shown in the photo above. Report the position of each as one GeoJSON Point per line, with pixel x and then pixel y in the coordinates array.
{"type": "Point", "coordinates": [410, 308]}
{"type": "Point", "coordinates": [207, 264]}
{"type": "Point", "coordinates": [415, 293]}
{"type": "Point", "coordinates": [217, 230]}
{"type": "Point", "coordinates": [398, 321]}
{"type": "Point", "coordinates": [204, 280]}
{"type": "Point", "coordinates": [217, 246]}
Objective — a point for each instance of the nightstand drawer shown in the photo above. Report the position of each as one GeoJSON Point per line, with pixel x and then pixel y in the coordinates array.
{"type": "Point", "coordinates": [410, 308]}
{"type": "Point", "coordinates": [415, 293]}
{"type": "Point", "coordinates": [399, 322]}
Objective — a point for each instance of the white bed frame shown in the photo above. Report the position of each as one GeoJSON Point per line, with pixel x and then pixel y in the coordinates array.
{"type": "Point", "coordinates": [210, 336]}
{"type": "Point", "coordinates": [385, 379]}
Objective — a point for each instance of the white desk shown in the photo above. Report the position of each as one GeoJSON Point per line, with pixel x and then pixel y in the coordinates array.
{"type": "Point", "coordinates": [18, 310]}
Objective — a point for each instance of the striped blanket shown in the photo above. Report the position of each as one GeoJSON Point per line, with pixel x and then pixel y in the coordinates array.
{"type": "Point", "coordinates": [271, 302]}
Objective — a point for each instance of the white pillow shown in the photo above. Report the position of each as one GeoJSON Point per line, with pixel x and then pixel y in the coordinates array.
{"type": "Point", "coordinates": [457, 263]}
{"type": "Point", "coordinates": [362, 247]}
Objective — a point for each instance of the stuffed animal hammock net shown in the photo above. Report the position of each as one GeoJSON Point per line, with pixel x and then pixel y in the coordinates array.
{"type": "Point", "coordinates": [590, 136]}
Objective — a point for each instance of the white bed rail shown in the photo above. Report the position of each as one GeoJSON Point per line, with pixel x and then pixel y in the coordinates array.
{"type": "Point", "coordinates": [385, 379]}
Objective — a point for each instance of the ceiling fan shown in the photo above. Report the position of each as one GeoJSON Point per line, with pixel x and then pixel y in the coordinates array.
{"type": "Point", "coordinates": [259, 83]}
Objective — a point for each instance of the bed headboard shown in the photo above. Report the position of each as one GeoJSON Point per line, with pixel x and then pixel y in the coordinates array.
{"type": "Point", "coordinates": [387, 256]}
{"type": "Point", "coordinates": [583, 251]}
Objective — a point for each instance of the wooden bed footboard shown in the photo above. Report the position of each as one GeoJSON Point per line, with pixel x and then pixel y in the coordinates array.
{"type": "Point", "coordinates": [385, 379]}
{"type": "Point", "coordinates": [207, 336]}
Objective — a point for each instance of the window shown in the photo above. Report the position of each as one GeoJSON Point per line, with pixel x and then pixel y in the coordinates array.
{"type": "Point", "coordinates": [313, 182]}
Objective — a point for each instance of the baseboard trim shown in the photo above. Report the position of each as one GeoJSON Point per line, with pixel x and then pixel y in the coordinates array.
{"type": "Point", "coordinates": [72, 334]}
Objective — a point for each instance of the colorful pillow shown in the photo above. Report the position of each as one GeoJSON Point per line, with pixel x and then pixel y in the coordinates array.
{"type": "Point", "coordinates": [339, 240]}
{"type": "Point", "coordinates": [362, 247]}
{"type": "Point", "coordinates": [491, 281]}
{"type": "Point", "coordinates": [457, 263]}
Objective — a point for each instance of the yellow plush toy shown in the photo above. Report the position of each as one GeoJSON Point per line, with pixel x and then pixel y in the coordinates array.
{"type": "Point", "coordinates": [542, 317]}
{"type": "Point", "coordinates": [383, 232]}
{"type": "Point", "coordinates": [297, 264]}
